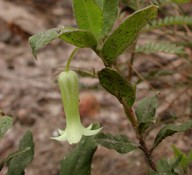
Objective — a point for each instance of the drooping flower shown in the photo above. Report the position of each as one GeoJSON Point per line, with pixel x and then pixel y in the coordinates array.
{"type": "Point", "coordinates": [69, 87]}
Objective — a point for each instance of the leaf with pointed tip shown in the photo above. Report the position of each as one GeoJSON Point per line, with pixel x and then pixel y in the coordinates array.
{"type": "Point", "coordinates": [126, 34]}
{"type": "Point", "coordinates": [79, 161]}
{"type": "Point", "coordinates": [88, 15]}
{"type": "Point", "coordinates": [120, 143]}
{"type": "Point", "coordinates": [5, 123]}
{"type": "Point", "coordinates": [115, 84]}
{"type": "Point", "coordinates": [171, 129]}
{"type": "Point", "coordinates": [77, 37]}
{"type": "Point", "coordinates": [145, 112]}
{"type": "Point", "coordinates": [18, 160]}
{"type": "Point", "coordinates": [41, 39]}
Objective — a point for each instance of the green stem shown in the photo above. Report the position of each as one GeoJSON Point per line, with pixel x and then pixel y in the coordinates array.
{"type": "Point", "coordinates": [70, 58]}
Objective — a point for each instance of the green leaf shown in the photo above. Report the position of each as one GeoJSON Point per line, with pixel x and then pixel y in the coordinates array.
{"type": "Point", "coordinates": [165, 167]}
{"type": "Point", "coordinates": [110, 12]}
{"type": "Point", "coordinates": [99, 3]}
{"type": "Point", "coordinates": [184, 163]}
{"type": "Point", "coordinates": [77, 37]}
{"type": "Point", "coordinates": [115, 84]}
{"type": "Point", "coordinates": [145, 112]}
{"type": "Point", "coordinates": [126, 34]}
{"type": "Point", "coordinates": [78, 162]}
{"type": "Point", "coordinates": [18, 160]}
{"type": "Point", "coordinates": [171, 129]}
{"type": "Point", "coordinates": [146, 109]}
{"type": "Point", "coordinates": [88, 15]}
{"type": "Point", "coordinates": [5, 123]}
{"type": "Point", "coordinates": [165, 47]}
{"type": "Point", "coordinates": [168, 21]}
{"type": "Point", "coordinates": [41, 39]}
{"type": "Point", "coordinates": [120, 143]}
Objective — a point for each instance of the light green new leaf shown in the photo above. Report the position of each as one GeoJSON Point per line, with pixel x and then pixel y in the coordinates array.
{"type": "Point", "coordinates": [88, 15]}
{"type": "Point", "coordinates": [78, 162]}
{"type": "Point", "coordinates": [126, 34]}
{"type": "Point", "coordinates": [18, 160]}
{"type": "Point", "coordinates": [5, 123]}
{"type": "Point", "coordinates": [114, 83]}
{"type": "Point", "coordinates": [120, 143]}
{"type": "Point", "coordinates": [185, 161]}
{"type": "Point", "coordinates": [171, 129]}
{"type": "Point", "coordinates": [77, 37]}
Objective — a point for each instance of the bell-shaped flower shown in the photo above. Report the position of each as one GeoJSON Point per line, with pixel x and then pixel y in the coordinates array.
{"type": "Point", "coordinates": [69, 87]}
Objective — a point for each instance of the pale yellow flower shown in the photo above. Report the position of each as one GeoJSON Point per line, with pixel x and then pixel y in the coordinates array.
{"type": "Point", "coordinates": [69, 87]}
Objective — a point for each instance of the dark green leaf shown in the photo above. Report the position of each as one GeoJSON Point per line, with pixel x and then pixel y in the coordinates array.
{"type": "Point", "coordinates": [5, 123]}
{"type": "Point", "coordinates": [79, 38]}
{"type": "Point", "coordinates": [115, 84]}
{"type": "Point", "coordinates": [171, 129]}
{"type": "Point", "coordinates": [110, 12]}
{"type": "Point", "coordinates": [126, 34]}
{"type": "Point", "coordinates": [120, 143]}
{"type": "Point", "coordinates": [18, 160]}
{"type": "Point", "coordinates": [79, 161]}
{"type": "Point", "coordinates": [41, 39]}
{"type": "Point", "coordinates": [88, 15]}
{"type": "Point", "coordinates": [145, 111]}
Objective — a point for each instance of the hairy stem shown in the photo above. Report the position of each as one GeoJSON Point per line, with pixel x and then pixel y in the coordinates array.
{"type": "Point", "coordinates": [147, 152]}
{"type": "Point", "coordinates": [131, 116]}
